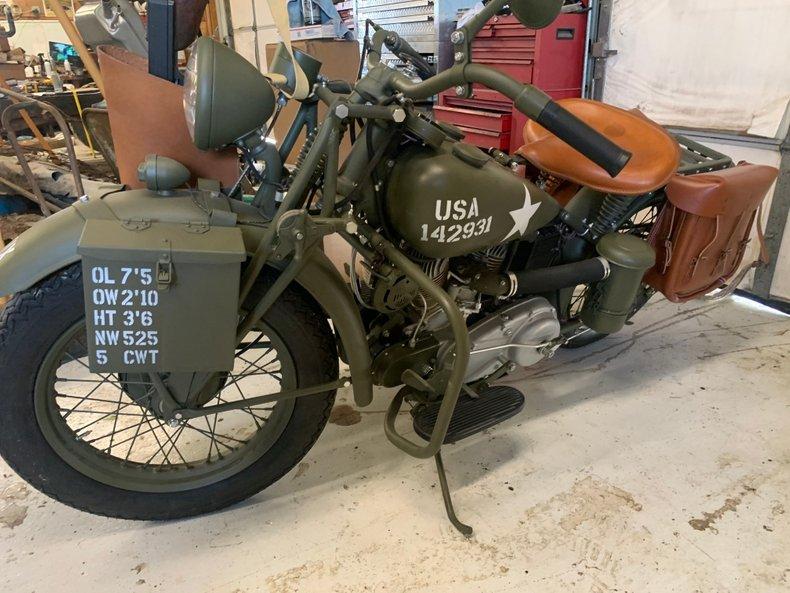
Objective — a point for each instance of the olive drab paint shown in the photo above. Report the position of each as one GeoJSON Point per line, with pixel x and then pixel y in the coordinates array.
{"type": "Point", "coordinates": [536, 14]}
{"type": "Point", "coordinates": [455, 199]}
{"type": "Point", "coordinates": [147, 286]}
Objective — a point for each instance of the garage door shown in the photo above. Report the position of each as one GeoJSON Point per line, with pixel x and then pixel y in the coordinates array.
{"type": "Point", "coordinates": [711, 65]}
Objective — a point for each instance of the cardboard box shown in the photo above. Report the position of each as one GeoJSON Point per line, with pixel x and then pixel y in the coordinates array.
{"type": "Point", "coordinates": [10, 71]}
{"type": "Point", "coordinates": [339, 61]}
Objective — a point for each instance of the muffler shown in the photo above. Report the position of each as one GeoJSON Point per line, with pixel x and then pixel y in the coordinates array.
{"type": "Point", "coordinates": [609, 301]}
{"type": "Point", "coordinates": [614, 278]}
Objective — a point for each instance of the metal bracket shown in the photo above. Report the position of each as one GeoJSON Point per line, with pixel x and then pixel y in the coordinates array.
{"type": "Point", "coordinates": [196, 227]}
{"type": "Point", "coordinates": [136, 225]}
{"type": "Point", "coordinates": [462, 54]}
{"type": "Point", "coordinates": [599, 50]}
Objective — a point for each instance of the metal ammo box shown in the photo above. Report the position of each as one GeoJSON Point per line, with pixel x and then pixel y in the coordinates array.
{"type": "Point", "coordinates": [160, 296]}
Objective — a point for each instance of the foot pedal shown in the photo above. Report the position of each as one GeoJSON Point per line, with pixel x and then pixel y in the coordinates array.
{"type": "Point", "coordinates": [471, 415]}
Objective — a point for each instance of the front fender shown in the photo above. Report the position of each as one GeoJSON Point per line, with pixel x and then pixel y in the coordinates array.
{"type": "Point", "coordinates": [51, 245]}
{"type": "Point", "coordinates": [46, 247]}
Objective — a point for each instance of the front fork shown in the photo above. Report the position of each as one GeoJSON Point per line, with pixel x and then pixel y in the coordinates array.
{"type": "Point", "coordinates": [291, 237]}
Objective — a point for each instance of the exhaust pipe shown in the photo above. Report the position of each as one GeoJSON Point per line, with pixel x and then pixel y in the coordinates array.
{"type": "Point", "coordinates": [557, 277]}
{"type": "Point", "coordinates": [614, 278]}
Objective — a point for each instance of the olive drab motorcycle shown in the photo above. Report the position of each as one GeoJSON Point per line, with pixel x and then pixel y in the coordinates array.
{"type": "Point", "coordinates": [168, 351]}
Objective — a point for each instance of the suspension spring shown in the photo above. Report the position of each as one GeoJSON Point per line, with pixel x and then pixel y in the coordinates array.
{"type": "Point", "coordinates": [610, 216]}
{"type": "Point", "coordinates": [303, 152]}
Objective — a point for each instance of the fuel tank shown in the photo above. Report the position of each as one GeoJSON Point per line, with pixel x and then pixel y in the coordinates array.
{"type": "Point", "coordinates": [454, 199]}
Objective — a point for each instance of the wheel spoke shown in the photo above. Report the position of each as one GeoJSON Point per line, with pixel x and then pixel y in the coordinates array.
{"type": "Point", "coordinates": [123, 426]}
{"type": "Point", "coordinates": [131, 403]}
{"type": "Point", "coordinates": [137, 432]}
{"type": "Point", "coordinates": [91, 392]}
{"type": "Point", "coordinates": [100, 412]}
{"type": "Point", "coordinates": [217, 436]}
{"type": "Point", "coordinates": [213, 437]}
{"type": "Point", "coordinates": [159, 444]}
{"type": "Point", "coordinates": [64, 380]}
{"type": "Point", "coordinates": [173, 440]}
{"type": "Point", "coordinates": [92, 400]}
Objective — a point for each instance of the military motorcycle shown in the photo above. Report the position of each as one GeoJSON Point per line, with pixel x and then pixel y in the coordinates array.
{"type": "Point", "coordinates": [168, 351]}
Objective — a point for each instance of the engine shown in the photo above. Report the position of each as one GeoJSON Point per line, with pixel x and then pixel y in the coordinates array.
{"type": "Point", "coordinates": [522, 333]}
{"type": "Point", "coordinates": [502, 332]}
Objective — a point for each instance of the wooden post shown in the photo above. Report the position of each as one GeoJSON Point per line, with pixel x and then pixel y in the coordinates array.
{"type": "Point", "coordinates": [76, 41]}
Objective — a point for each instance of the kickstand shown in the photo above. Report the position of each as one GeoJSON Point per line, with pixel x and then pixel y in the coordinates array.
{"type": "Point", "coordinates": [448, 502]}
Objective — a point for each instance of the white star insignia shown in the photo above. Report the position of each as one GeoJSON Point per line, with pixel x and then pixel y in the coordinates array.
{"type": "Point", "coordinates": [521, 216]}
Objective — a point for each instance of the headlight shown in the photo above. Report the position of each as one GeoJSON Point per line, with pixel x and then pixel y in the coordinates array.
{"type": "Point", "coordinates": [190, 90]}
{"type": "Point", "coordinates": [225, 97]}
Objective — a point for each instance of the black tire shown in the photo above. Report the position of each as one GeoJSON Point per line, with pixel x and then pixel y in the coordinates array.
{"type": "Point", "coordinates": [32, 322]}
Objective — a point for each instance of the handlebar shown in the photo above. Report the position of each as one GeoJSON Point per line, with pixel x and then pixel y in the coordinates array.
{"type": "Point", "coordinates": [530, 101]}
{"type": "Point", "coordinates": [574, 132]}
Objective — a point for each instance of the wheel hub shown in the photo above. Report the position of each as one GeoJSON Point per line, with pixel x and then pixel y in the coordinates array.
{"type": "Point", "coordinates": [185, 388]}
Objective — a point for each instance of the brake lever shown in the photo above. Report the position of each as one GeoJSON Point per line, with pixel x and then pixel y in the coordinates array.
{"type": "Point", "coordinates": [401, 48]}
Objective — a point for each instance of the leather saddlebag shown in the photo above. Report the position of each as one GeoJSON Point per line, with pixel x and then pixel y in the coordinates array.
{"type": "Point", "coordinates": [702, 232]}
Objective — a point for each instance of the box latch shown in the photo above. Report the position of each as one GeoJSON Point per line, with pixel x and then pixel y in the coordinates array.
{"type": "Point", "coordinates": [164, 267]}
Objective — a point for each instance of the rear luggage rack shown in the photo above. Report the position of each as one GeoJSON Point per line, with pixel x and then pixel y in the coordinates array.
{"type": "Point", "coordinates": [696, 158]}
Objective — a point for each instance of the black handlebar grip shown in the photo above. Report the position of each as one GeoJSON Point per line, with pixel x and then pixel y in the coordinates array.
{"type": "Point", "coordinates": [341, 87]}
{"type": "Point", "coordinates": [595, 146]}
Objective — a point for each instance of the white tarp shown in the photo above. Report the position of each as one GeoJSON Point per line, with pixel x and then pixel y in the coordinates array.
{"type": "Point", "coordinates": [717, 64]}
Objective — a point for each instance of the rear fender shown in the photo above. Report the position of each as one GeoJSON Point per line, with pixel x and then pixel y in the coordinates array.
{"type": "Point", "coordinates": [51, 245]}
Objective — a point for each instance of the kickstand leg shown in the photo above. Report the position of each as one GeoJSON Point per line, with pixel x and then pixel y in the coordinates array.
{"type": "Point", "coordinates": [448, 502]}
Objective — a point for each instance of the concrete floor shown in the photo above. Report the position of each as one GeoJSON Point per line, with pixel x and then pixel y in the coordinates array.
{"type": "Point", "coordinates": [656, 460]}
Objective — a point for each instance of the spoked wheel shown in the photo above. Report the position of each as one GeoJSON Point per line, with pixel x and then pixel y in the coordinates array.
{"type": "Point", "coordinates": [99, 442]}
{"type": "Point", "coordinates": [108, 427]}
{"type": "Point", "coordinates": [641, 223]}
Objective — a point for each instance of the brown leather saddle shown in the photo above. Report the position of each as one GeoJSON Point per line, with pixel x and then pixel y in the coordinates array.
{"type": "Point", "coordinates": [703, 230]}
{"type": "Point", "coordinates": [655, 159]}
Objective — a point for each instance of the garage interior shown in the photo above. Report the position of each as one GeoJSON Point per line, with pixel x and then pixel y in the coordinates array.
{"type": "Point", "coordinates": [655, 459]}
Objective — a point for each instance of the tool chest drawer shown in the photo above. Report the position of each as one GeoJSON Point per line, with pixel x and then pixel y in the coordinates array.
{"type": "Point", "coordinates": [519, 70]}
{"type": "Point", "coordinates": [551, 59]}
{"type": "Point", "coordinates": [482, 98]}
{"type": "Point", "coordinates": [505, 26]}
{"type": "Point", "coordinates": [486, 138]}
{"type": "Point", "coordinates": [503, 49]}
{"type": "Point", "coordinates": [475, 119]}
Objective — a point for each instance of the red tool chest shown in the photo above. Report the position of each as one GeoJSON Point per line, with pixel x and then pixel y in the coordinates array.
{"type": "Point", "coordinates": [552, 59]}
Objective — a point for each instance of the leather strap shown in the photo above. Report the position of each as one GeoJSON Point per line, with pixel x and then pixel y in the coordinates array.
{"type": "Point", "coordinates": [279, 12]}
{"type": "Point", "coordinates": [765, 255]}
{"type": "Point", "coordinates": [762, 259]}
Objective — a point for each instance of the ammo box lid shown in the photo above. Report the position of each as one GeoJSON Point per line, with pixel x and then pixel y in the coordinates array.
{"type": "Point", "coordinates": [147, 241]}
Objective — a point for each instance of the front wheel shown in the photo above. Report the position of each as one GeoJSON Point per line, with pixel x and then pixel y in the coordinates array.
{"type": "Point", "coordinates": [96, 442]}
